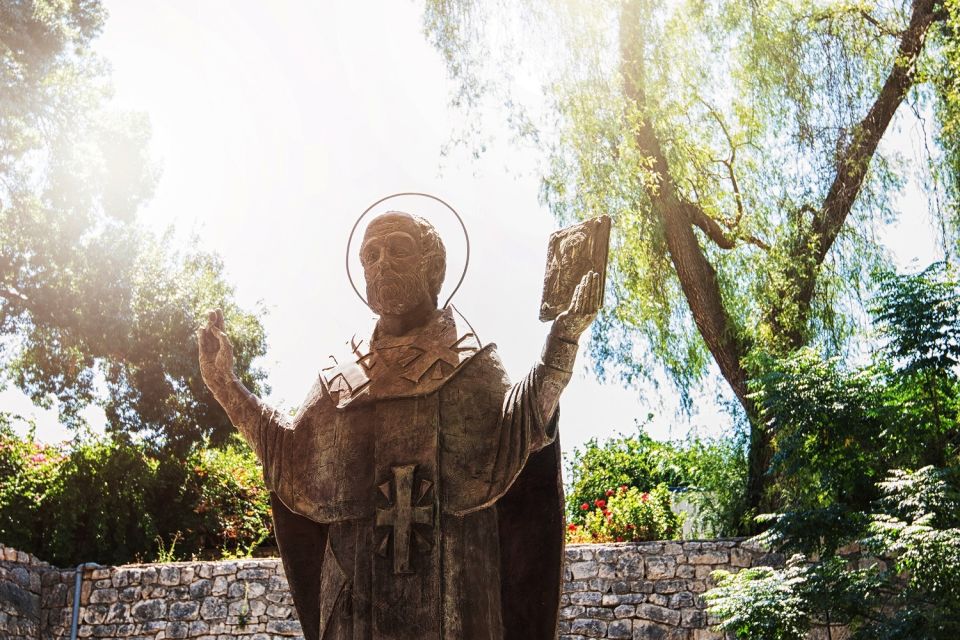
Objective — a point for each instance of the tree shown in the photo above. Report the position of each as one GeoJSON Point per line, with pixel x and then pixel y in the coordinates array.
{"type": "Point", "coordinates": [93, 307]}
{"type": "Point", "coordinates": [737, 146]}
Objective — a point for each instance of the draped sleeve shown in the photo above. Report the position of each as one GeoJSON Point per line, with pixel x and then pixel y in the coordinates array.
{"type": "Point", "coordinates": [490, 428]}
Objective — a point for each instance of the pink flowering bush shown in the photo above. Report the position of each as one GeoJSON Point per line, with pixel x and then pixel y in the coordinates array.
{"type": "Point", "coordinates": [627, 514]}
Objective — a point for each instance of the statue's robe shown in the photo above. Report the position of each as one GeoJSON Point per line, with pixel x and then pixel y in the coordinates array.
{"type": "Point", "coordinates": [417, 494]}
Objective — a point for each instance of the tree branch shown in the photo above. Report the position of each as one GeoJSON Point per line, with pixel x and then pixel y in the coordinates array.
{"type": "Point", "coordinates": [698, 278]}
{"type": "Point", "coordinates": [809, 250]}
{"type": "Point", "coordinates": [854, 161]}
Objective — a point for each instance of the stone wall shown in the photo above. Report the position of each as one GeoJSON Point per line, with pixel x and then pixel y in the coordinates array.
{"type": "Point", "coordinates": [650, 590]}
{"type": "Point", "coordinates": [20, 594]}
{"type": "Point", "coordinates": [636, 591]}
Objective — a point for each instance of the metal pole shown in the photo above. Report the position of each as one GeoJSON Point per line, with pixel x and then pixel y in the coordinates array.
{"type": "Point", "coordinates": [78, 580]}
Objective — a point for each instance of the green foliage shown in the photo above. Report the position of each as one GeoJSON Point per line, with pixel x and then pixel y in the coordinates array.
{"type": "Point", "coordinates": [231, 500]}
{"type": "Point", "coordinates": [111, 501]}
{"type": "Point", "coordinates": [943, 74]}
{"type": "Point", "coordinates": [919, 316]}
{"type": "Point", "coordinates": [912, 591]}
{"type": "Point", "coordinates": [918, 526]}
{"type": "Point", "coordinates": [712, 471]}
{"type": "Point", "coordinates": [846, 440]}
{"type": "Point", "coordinates": [761, 603]}
{"type": "Point", "coordinates": [93, 307]}
{"type": "Point", "coordinates": [839, 429]}
{"type": "Point", "coordinates": [736, 146]}
{"type": "Point", "coordinates": [753, 104]}
{"type": "Point", "coordinates": [633, 461]}
{"type": "Point", "coordinates": [834, 440]}
{"type": "Point", "coordinates": [628, 515]}
{"type": "Point", "coordinates": [716, 472]}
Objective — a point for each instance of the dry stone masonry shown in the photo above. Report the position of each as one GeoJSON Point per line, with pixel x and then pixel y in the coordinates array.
{"type": "Point", "coordinates": [20, 594]}
{"type": "Point", "coordinates": [650, 590]}
{"type": "Point", "coordinates": [627, 591]}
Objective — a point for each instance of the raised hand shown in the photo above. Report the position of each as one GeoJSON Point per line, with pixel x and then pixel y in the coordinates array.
{"type": "Point", "coordinates": [583, 309]}
{"type": "Point", "coordinates": [216, 351]}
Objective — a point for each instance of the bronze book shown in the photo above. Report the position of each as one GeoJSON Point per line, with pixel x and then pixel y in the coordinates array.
{"type": "Point", "coordinates": [573, 252]}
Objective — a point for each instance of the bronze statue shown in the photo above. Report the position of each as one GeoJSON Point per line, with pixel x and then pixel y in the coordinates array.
{"type": "Point", "coordinates": [416, 493]}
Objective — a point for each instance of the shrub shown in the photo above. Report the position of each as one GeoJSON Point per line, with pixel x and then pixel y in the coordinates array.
{"type": "Point", "coordinates": [112, 501]}
{"type": "Point", "coordinates": [762, 602]}
{"type": "Point", "coordinates": [231, 500]}
{"type": "Point", "coordinates": [713, 469]}
{"type": "Point", "coordinates": [627, 515]}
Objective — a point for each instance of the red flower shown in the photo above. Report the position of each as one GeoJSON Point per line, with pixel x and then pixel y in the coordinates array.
{"type": "Point", "coordinates": [623, 488]}
{"type": "Point", "coordinates": [572, 527]}
{"type": "Point", "coordinates": [600, 504]}
{"type": "Point", "coordinates": [584, 506]}
{"type": "Point", "coordinates": [645, 497]}
{"type": "Point", "coordinates": [607, 513]}
{"type": "Point", "coordinates": [629, 527]}
{"type": "Point", "coordinates": [609, 492]}
{"type": "Point", "coordinates": [619, 538]}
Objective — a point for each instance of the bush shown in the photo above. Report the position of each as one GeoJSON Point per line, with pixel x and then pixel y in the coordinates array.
{"type": "Point", "coordinates": [112, 501]}
{"type": "Point", "coordinates": [911, 591]}
{"type": "Point", "coordinates": [714, 471]}
{"type": "Point", "coordinates": [627, 515]}
{"type": "Point", "coordinates": [231, 500]}
{"type": "Point", "coordinates": [762, 602]}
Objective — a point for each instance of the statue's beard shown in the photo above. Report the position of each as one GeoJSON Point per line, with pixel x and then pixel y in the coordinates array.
{"type": "Point", "coordinates": [394, 293]}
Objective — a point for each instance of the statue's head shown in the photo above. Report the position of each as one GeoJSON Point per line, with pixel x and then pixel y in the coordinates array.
{"type": "Point", "coordinates": [404, 263]}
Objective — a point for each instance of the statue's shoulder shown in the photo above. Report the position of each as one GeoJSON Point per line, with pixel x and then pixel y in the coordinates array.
{"type": "Point", "coordinates": [373, 367]}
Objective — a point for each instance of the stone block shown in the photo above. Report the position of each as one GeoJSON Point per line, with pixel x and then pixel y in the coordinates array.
{"type": "Point", "coordinates": [686, 571]}
{"type": "Point", "coordinates": [653, 631]}
{"type": "Point", "coordinates": [670, 586]}
{"type": "Point", "coordinates": [148, 610]}
{"type": "Point", "coordinates": [103, 596]}
{"type": "Point", "coordinates": [589, 628]}
{"type": "Point", "coordinates": [709, 557]}
{"type": "Point", "coordinates": [571, 612]}
{"type": "Point", "coordinates": [184, 610]}
{"type": "Point", "coordinates": [284, 627]}
{"type": "Point", "coordinates": [682, 600]}
{"type": "Point", "coordinates": [660, 567]}
{"type": "Point", "coordinates": [583, 570]}
{"type": "Point", "coordinates": [598, 613]}
{"type": "Point", "coordinates": [586, 598]}
{"type": "Point", "coordinates": [693, 618]}
{"type": "Point", "coordinates": [169, 576]}
{"type": "Point", "coordinates": [620, 629]}
{"type": "Point", "coordinates": [659, 614]}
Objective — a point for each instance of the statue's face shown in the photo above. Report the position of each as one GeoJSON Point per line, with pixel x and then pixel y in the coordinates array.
{"type": "Point", "coordinates": [391, 256]}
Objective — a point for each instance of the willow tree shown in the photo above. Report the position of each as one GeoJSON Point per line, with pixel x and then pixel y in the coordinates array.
{"type": "Point", "coordinates": [738, 146]}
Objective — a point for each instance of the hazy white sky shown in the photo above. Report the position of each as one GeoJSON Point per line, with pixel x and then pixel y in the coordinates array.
{"type": "Point", "coordinates": [277, 123]}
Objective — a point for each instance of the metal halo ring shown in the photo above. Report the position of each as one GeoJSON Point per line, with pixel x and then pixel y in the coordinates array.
{"type": "Point", "coordinates": [356, 224]}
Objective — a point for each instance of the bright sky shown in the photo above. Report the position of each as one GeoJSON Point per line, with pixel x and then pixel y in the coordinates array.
{"type": "Point", "coordinates": [277, 123]}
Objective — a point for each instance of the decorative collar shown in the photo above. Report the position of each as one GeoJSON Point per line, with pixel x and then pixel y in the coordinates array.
{"type": "Point", "coordinates": [415, 364]}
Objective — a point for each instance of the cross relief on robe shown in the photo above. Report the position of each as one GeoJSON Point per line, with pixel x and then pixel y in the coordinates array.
{"type": "Point", "coordinates": [402, 515]}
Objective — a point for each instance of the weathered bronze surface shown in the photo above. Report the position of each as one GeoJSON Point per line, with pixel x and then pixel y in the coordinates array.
{"type": "Point", "coordinates": [573, 252]}
{"type": "Point", "coordinates": [416, 493]}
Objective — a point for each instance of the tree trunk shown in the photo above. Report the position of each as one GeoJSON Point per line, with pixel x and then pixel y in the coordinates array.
{"type": "Point", "coordinates": [698, 278]}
